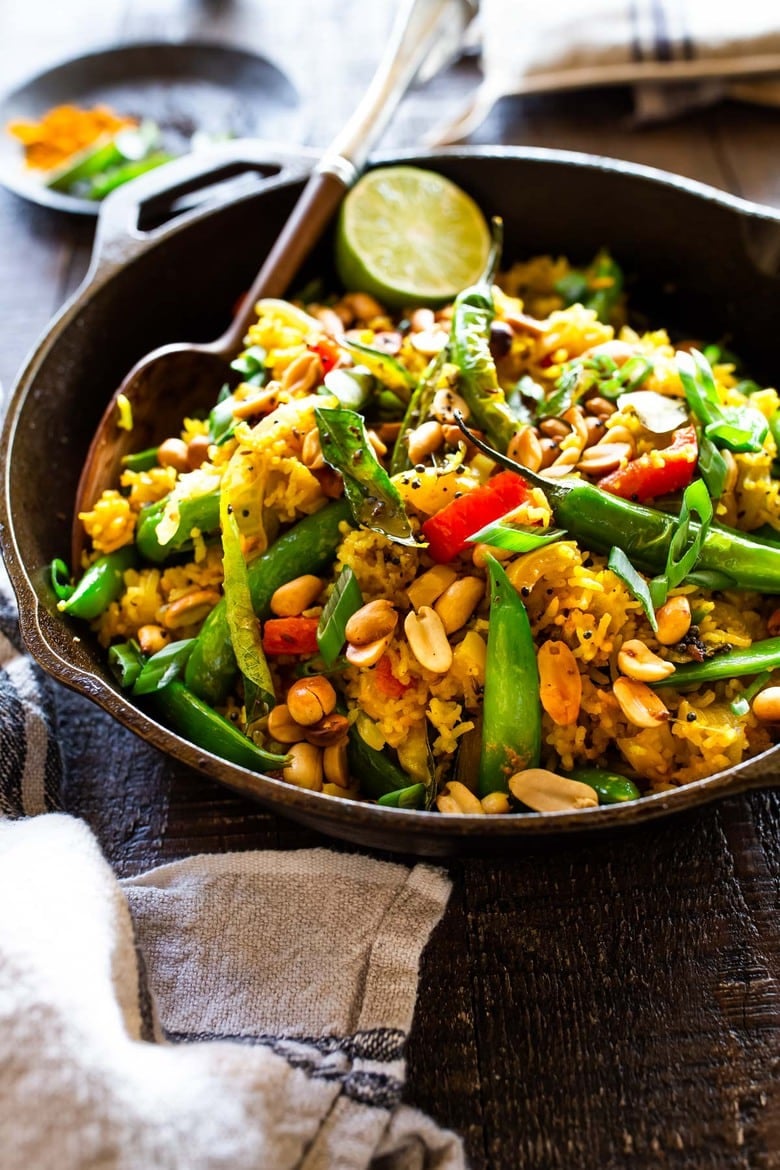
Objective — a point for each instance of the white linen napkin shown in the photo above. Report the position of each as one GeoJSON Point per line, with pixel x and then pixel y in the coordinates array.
{"type": "Point", "coordinates": [242, 1010]}
{"type": "Point", "coordinates": [676, 54]}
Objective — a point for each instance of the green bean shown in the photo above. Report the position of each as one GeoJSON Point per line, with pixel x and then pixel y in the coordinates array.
{"type": "Point", "coordinates": [195, 721]}
{"type": "Point", "coordinates": [201, 512]}
{"type": "Point", "coordinates": [760, 656]}
{"type": "Point", "coordinates": [610, 787]}
{"type": "Point", "coordinates": [512, 716]}
{"type": "Point", "coordinates": [101, 584]}
{"type": "Point", "coordinates": [308, 547]}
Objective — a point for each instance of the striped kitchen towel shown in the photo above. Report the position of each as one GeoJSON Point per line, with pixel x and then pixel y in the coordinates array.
{"type": "Point", "coordinates": [236, 1011]}
{"type": "Point", "coordinates": [675, 54]}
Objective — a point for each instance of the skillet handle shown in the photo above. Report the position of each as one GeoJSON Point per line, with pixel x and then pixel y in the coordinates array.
{"type": "Point", "coordinates": [154, 204]}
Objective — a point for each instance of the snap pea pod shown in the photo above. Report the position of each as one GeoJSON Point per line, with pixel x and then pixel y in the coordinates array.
{"type": "Point", "coordinates": [411, 797]}
{"type": "Point", "coordinates": [761, 656]}
{"type": "Point", "coordinates": [194, 720]}
{"type": "Point", "coordinates": [377, 773]}
{"type": "Point", "coordinates": [610, 787]}
{"type": "Point", "coordinates": [601, 521]}
{"type": "Point", "coordinates": [470, 351]}
{"type": "Point", "coordinates": [100, 585]}
{"type": "Point", "coordinates": [512, 714]}
{"type": "Point", "coordinates": [308, 547]}
{"type": "Point", "coordinates": [201, 512]}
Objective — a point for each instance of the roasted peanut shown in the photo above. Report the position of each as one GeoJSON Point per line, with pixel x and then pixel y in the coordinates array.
{"type": "Point", "coordinates": [303, 374]}
{"type": "Point", "coordinates": [363, 305]}
{"type": "Point", "coordinates": [197, 451]}
{"type": "Point", "coordinates": [305, 767]}
{"type": "Point", "coordinates": [596, 430]}
{"type": "Point", "coordinates": [421, 319]}
{"type": "Point", "coordinates": [173, 453]}
{"type": "Point", "coordinates": [766, 705]}
{"type": "Point", "coordinates": [620, 434]}
{"type": "Point", "coordinates": [311, 451]}
{"type": "Point", "coordinates": [310, 699]}
{"type": "Point", "coordinates": [560, 682]}
{"type": "Point", "coordinates": [428, 640]}
{"type": "Point", "coordinates": [674, 621]}
{"type": "Point", "coordinates": [447, 804]}
{"type": "Point", "coordinates": [335, 764]}
{"type": "Point", "coordinates": [481, 553]}
{"type": "Point", "coordinates": [368, 654]}
{"type": "Point", "coordinates": [328, 731]}
{"type": "Point", "coordinates": [152, 638]}
{"type": "Point", "coordinates": [639, 704]}
{"type": "Point", "coordinates": [262, 403]}
{"type": "Point", "coordinates": [773, 624]}
{"type": "Point", "coordinates": [554, 428]}
{"type": "Point", "coordinates": [458, 602]}
{"type": "Point", "coordinates": [466, 801]}
{"type": "Point", "coordinates": [374, 620]}
{"type": "Point", "coordinates": [563, 464]}
{"type": "Point", "coordinates": [428, 342]}
{"type": "Point", "coordinates": [388, 341]}
{"type": "Point", "coordinates": [605, 456]}
{"type": "Point", "coordinates": [549, 449]}
{"type": "Point", "coordinates": [377, 445]}
{"type": "Point", "coordinates": [424, 440]}
{"type": "Point", "coordinates": [545, 791]}
{"type": "Point", "coordinates": [330, 321]}
{"type": "Point", "coordinates": [189, 609]}
{"type": "Point", "coordinates": [524, 447]}
{"type": "Point", "coordinates": [426, 588]}
{"type": "Point", "coordinates": [297, 595]}
{"type": "Point", "coordinates": [522, 323]}
{"type": "Point", "coordinates": [495, 803]}
{"type": "Point", "coordinates": [282, 727]}
{"type": "Point", "coordinates": [637, 661]}
{"type": "Point", "coordinates": [446, 403]}
{"type": "Point", "coordinates": [600, 407]}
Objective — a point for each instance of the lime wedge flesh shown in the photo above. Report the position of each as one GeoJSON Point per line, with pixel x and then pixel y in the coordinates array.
{"type": "Point", "coordinates": [410, 237]}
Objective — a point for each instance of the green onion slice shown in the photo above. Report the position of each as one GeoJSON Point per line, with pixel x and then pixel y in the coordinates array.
{"type": "Point", "coordinates": [162, 668]}
{"type": "Point", "coordinates": [741, 706]}
{"type": "Point", "coordinates": [126, 662]}
{"type": "Point", "coordinates": [245, 634]}
{"type": "Point", "coordinates": [635, 583]}
{"type": "Point", "coordinates": [515, 537]}
{"type": "Point", "coordinates": [712, 467]}
{"type": "Point", "coordinates": [345, 600]}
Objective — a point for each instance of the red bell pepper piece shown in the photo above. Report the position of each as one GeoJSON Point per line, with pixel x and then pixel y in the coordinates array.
{"type": "Point", "coordinates": [649, 476]}
{"type": "Point", "coordinates": [328, 353]}
{"type": "Point", "coordinates": [290, 635]}
{"type": "Point", "coordinates": [386, 682]}
{"type": "Point", "coordinates": [448, 530]}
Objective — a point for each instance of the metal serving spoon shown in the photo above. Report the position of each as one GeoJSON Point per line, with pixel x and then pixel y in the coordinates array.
{"type": "Point", "coordinates": [181, 376]}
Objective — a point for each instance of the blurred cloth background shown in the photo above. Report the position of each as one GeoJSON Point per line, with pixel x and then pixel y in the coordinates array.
{"type": "Point", "coordinates": [675, 54]}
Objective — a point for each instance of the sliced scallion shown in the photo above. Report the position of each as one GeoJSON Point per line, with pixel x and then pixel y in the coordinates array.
{"type": "Point", "coordinates": [635, 583]}
{"type": "Point", "coordinates": [60, 580]}
{"type": "Point", "coordinates": [514, 537]}
{"type": "Point", "coordinates": [345, 600]}
{"type": "Point", "coordinates": [741, 705]}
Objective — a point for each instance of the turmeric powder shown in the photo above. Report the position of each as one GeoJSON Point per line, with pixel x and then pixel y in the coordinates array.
{"type": "Point", "coordinates": [64, 131]}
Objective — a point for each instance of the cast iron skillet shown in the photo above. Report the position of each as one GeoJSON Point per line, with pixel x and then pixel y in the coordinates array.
{"type": "Point", "coordinates": [696, 259]}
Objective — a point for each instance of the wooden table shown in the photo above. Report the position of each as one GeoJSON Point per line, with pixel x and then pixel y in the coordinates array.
{"type": "Point", "coordinates": [606, 1002]}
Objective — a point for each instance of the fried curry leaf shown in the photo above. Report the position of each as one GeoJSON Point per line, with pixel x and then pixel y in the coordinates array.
{"type": "Point", "coordinates": [374, 499]}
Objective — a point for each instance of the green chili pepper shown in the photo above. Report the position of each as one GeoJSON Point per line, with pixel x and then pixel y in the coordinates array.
{"type": "Point", "coordinates": [375, 500]}
{"type": "Point", "coordinates": [385, 368]}
{"type": "Point", "coordinates": [470, 351]}
{"type": "Point", "coordinates": [308, 547]}
{"type": "Point", "coordinates": [610, 787]}
{"type": "Point", "coordinates": [377, 773]}
{"type": "Point", "coordinates": [417, 410]}
{"type": "Point", "coordinates": [201, 512]}
{"type": "Point", "coordinates": [101, 584]}
{"type": "Point", "coordinates": [245, 636]}
{"type": "Point", "coordinates": [411, 797]}
{"type": "Point", "coordinates": [186, 714]}
{"type": "Point", "coordinates": [601, 521]}
{"type": "Point", "coordinates": [512, 714]}
{"type": "Point", "coordinates": [760, 656]}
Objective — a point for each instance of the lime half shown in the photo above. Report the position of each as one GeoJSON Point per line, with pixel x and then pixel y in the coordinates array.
{"type": "Point", "coordinates": [410, 237]}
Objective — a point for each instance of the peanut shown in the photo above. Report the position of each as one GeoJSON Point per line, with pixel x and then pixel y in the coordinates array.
{"type": "Point", "coordinates": [428, 640]}
{"type": "Point", "coordinates": [424, 440]}
{"type": "Point", "coordinates": [545, 791]}
{"type": "Point", "coordinates": [374, 620]}
{"type": "Point", "coordinates": [560, 682]}
{"type": "Point", "coordinates": [637, 661]}
{"type": "Point", "coordinates": [458, 602]}
{"type": "Point", "coordinates": [639, 704]}
{"type": "Point", "coordinates": [282, 727]}
{"type": "Point", "coordinates": [674, 620]}
{"type": "Point", "coordinates": [173, 453]}
{"type": "Point", "coordinates": [305, 767]}
{"type": "Point", "coordinates": [310, 699]}
{"type": "Point", "coordinates": [297, 595]}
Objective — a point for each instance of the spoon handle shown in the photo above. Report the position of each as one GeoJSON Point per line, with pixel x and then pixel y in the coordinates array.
{"type": "Point", "coordinates": [417, 25]}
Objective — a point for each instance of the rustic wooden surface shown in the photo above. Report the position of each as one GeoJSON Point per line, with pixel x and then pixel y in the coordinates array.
{"type": "Point", "coordinates": [602, 1003]}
